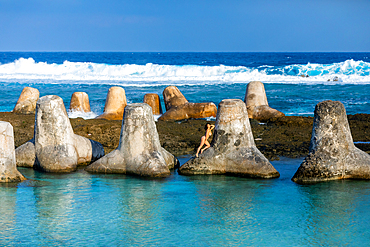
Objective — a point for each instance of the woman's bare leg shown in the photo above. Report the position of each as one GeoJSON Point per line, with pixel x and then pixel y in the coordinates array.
{"type": "Point", "coordinates": [207, 146]}
{"type": "Point", "coordinates": [202, 141]}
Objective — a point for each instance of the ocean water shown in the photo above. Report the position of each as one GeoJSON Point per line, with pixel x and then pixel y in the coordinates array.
{"type": "Point", "coordinates": [81, 209]}
{"type": "Point", "coordinates": [201, 77]}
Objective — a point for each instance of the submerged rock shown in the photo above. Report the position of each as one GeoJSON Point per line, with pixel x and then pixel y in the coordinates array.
{"type": "Point", "coordinates": [114, 104]}
{"type": "Point", "coordinates": [178, 108]}
{"type": "Point", "coordinates": [332, 154]}
{"type": "Point", "coordinates": [152, 99]}
{"type": "Point", "coordinates": [55, 148]}
{"type": "Point", "coordinates": [139, 151]}
{"type": "Point", "coordinates": [232, 150]}
{"type": "Point", "coordinates": [26, 103]}
{"type": "Point", "coordinates": [80, 102]}
{"type": "Point", "coordinates": [257, 105]}
{"type": "Point", "coordinates": [8, 167]}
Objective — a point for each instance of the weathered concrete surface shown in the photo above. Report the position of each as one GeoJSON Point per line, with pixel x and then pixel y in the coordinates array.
{"type": "Point", "coordinates": [332, 154]}
{"type": "Point", "coordinates": [26, 103]}
{"type": "Point", "coordinates": [26, 154]}
{"type": "Point", "coordinates": [287, 136]}
{"type": "Point", "coordinates": [115, 104]}
{"type": "Point", "coordinates": [173, 97]}
{"type": "Point", "coordinates": [257, 105]}
{"type": "Point", "coordinates": [56, 147]}
{"type": "Point", "coordinates": [139, 151]}
{"type": "Point", "coordinates": [178, 108]}
{"type": "Point", "coordinates": [190, 110]}
{"type": "Point", "coordinates": [80, 102]}
{"type": "Point", "coordinates": [152, 99]}
{"type": "Point", "coordinates": [232, 150]}
{"type": "Point", "coordinates": [8, 167]}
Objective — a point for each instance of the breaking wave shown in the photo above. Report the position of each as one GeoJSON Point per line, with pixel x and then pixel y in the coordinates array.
{"type": "Point", "coordinates": [26, 69]}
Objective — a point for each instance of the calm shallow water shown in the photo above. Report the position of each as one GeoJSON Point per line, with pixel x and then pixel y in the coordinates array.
{"type": "Point", "coordinates": [84, 209]}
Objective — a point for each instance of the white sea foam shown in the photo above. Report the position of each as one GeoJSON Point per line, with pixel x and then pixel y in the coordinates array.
{"type": "Point", "coordinates": [84, 115]}
{"type": "Point", "coordinates": [347, 72]}
{"type": "Point", "coordinates": [298, 113]}
{"type": "Point", "coordinates": [210, 119]}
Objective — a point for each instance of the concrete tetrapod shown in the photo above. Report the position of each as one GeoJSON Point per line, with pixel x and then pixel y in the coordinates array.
{"type": "Point", "coordinates": [114, 104]}
{"type": "Point", "coordinates": [232, 150]}
{"type": "Point", "coordinates": [139, 151]}
{"type": "Point", "coordinates": [80, 102]}
{"type": "Point", "coordinates": [178, 108]}
{"type": "Point", "coordinates": [26, 103]}
{"type": "Point", "coordinates": [8, 167]}
{"type": "Point", "coordinates": [332, 154]}
{"type": "Point", "coordinates": [152, 99]}
{"type": "Point", "coordinates": [173, 97]}
{"type": "Point", "coordinates": [55, 148]}
{"type": "Point", "coordinates": [257, 105]}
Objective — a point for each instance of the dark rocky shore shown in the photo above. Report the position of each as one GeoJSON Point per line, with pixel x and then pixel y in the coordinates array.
{"type": "Point", "coordinates": [285, 136]}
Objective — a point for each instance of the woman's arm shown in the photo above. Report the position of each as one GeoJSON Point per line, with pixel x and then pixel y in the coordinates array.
{"type": "Point", "coordinates": [212, 126]}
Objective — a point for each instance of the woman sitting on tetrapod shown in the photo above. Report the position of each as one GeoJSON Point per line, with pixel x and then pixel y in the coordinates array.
{"type": "Point", "coordinates": [204, 140]}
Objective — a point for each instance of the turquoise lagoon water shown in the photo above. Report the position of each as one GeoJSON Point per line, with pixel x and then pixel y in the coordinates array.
{"type": "Point", "coordinates": [117, 210]}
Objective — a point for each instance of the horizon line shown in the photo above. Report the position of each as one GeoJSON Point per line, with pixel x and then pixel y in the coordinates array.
{"type": "Point", "coordinates": [191, 51]}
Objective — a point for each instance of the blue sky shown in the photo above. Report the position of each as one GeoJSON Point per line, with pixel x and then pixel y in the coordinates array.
{"type": "Point", "coordinates": [176, 25]}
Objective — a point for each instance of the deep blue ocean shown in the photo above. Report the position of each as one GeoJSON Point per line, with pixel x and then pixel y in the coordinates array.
{"type": "Point", "coordinates": [81, 209]}
{"type": "Point", "coordinates": [201, 77]}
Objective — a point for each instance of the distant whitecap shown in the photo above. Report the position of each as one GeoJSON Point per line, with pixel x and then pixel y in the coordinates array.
{"type": "Point", "coordinates": [26, 69]}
